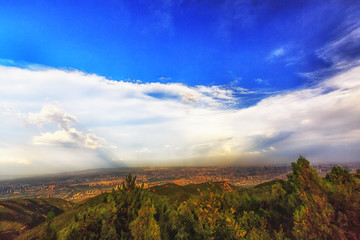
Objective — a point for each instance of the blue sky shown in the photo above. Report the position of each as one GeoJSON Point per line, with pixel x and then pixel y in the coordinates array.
{"type": "Point", "coordinates": [182, 79]}
{"type": "Point", "coordinates": [194, 42]}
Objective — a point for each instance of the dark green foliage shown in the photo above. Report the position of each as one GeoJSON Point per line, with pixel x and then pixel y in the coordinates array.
{"type": "Point", "coordinates": [50, 229]}
{"type": "Point", "coordinates": [163, 217]}
{"type": "Point", "coordinates": [206, 217]}
{"type": "Point", "coordinates": [50, 216]}
{"type": "Point", "coordinates": [341, 177]}
{"type": "Point", "coordinates": [50, 232]}
{"type": "Point", "coordinates": [344, 196]}
{"type": "Point", "coordinates": [303, 207]}
{"type": "Point", "coordinates": [176, 193]}
{"type": "Point", "coordinates": [112, 216]}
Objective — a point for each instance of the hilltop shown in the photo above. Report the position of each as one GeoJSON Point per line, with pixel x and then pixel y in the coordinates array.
{"type": "Point", "coordinates": [180, 193]}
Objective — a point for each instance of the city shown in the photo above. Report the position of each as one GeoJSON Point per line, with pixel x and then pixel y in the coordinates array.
{"type": "Point", "coordinates": [78, 186]}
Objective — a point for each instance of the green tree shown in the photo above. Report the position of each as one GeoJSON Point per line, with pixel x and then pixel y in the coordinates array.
{"type": "Point", "coordinates": [51, 232]}
{"type": "Point", "coordinates": [128, 200]}
{"type": "Point", "coordinates": [206, 217]}
{"type": "Point", "coordinates": [145, 227]}
{"type": "Point", "coordinates": [345, 199]}
{"type": "Point", "coordinates": [313, 218]}
{"type": "Point", "coordinates": [50, 216]}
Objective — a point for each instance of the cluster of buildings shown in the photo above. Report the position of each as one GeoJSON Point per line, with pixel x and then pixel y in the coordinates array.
{"type": "Point", "coordinates": [77, 187]}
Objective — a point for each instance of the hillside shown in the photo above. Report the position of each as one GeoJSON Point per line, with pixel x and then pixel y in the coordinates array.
{"type": "Point", "coordinates": [303, 207]}
{"type": "Point", "coordinates": [171, 193]}
{"type": "Point", "coordinates": [19, 215]}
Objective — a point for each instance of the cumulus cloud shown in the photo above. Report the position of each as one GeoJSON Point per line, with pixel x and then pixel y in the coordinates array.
{"type": "Point", "coordinates": [157, 123]}
{"type": "Point", "coordinates": [67, 136]}
{"type": "Point", "coordinates": [52, 113]}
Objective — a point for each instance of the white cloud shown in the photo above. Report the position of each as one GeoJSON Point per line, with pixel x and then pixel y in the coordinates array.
{"type": "Point", "coordinates": [151, 123]}
{"type": "Point", "coordinates": [262, 81]}
{"type": "Point", "coordinates": [67, 136]}
{"type": "Point", "coordinates": [52, 113]}
{"type": "Point", "coordinates": [276, 53]}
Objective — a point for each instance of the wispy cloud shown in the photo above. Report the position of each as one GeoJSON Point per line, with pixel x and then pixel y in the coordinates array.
{"type": "Point", "coordinates": [261, 81]}
{"type": "Point", "coordinates": [239, 14]}
{"type": "Point", "coordinates": [276, 53]}
{"type": "Point", "coordinates": [164, 79]}
{"type": "Point", "coordinates": [6, 62]}
{"type": "Point", "coordinates": [160, 16]}
{"type": "Point", "coordinates": [342, 52]}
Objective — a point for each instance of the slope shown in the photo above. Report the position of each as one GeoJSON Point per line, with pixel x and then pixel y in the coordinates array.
{"type": "Point", "coordinates": [19, 215]}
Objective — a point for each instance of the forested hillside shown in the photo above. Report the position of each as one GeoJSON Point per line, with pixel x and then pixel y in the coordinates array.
{"type": "Point", "coordinates": [19, 215]}
{"type": "Point", "coordinates": [303, 207]}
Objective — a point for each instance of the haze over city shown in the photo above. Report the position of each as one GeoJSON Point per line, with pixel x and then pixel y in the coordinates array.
{"type": "Point", "coordinates": [177, 83]}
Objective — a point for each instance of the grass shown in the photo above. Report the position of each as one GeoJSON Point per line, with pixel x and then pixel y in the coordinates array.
{"type": "Point", "coordinates": [10, 225]}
